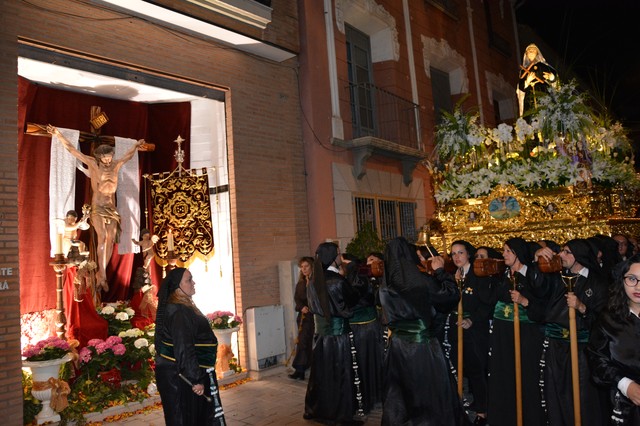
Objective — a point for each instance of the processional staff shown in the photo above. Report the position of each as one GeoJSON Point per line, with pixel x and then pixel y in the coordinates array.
{"type": "Point", "coordinates": [569, 281]}
{"type": "Point", "coordinates": [460, 280]}
{"type": "Point", "coordinates": [518, 356]}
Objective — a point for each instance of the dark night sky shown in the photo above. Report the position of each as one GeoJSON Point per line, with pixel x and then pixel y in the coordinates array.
{"type": "Point", "coordinates": [600, 42]}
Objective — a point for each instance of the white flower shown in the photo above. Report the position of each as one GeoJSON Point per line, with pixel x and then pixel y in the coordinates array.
{"type": "Point", "coordinates": [152, 349]}
{"type": "Point", "coordinates": [107, 310]}
{"type": "Point", "coordinates": [130, 312]}
{"type": "Point", "coordinates": [122, 316]}
{"type": "Point", "coordinates": [141, 343]}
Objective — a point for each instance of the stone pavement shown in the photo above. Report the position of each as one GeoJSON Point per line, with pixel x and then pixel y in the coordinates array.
{"type": "Point", "coordinates": [272, 399]}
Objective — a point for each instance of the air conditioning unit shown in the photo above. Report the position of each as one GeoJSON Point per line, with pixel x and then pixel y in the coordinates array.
{"type": "Point", "coordinates": [265, 333]}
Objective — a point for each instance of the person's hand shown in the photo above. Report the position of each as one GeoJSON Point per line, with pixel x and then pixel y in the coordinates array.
{"type": "Point", "coordinates": [549, 76]}
{"type": "Point", "coordinates": [633, 393]}
{"type": "Point", "coordinates": [465, 323]}
{"type": "Point", "coordinates": [517, 297]}
{"type": "Point", "coordinates": [198, 389]}
{"type": "Point", "coordinates": [545, 252]}
{"type": "Point", "coordinates": [530, 78]}
{"type": "Point", "coordinates": [304, 310]}
{"type": "Point", "coordinates": [52, 130]}
{"type": "Point", "coordinates": [575, 303]}
{"type": "Point", "coordinates": [437, 262]}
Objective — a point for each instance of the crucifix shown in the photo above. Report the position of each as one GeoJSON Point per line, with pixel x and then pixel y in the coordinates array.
{"type": "Point", "coordinates": [102, 170]}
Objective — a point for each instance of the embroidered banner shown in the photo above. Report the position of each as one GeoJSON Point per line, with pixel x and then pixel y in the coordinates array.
{"type": "Point", "coordinates": [181, 216]}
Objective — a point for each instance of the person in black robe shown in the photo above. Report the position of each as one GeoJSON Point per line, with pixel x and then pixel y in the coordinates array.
{"type": "Point", "coordinates": [613, 350]}
{"type": "Point", "coordinates": [333, 391]}
{"type": "Point", "coordinates": [367, 331]}
{"type": "Point", "coordinates": [185, 349]}
{"type": "Point", "coordinates": [519, 285]}
{"type": "Point", "coordinates": [418, 386]}
{"type": "Point", "coordinates": [580, 286]}
{"type": "Point", "coordinates": [304, 341]}
{"type": "Point", "coordinates": [478, 302]}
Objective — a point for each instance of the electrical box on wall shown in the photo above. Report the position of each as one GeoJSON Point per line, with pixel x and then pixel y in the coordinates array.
{"type": "Point", "coordinates": [265, 332]}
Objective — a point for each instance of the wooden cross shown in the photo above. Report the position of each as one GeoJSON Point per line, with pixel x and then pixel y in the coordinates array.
{"type": "Point", "coordinates": [97, 119]}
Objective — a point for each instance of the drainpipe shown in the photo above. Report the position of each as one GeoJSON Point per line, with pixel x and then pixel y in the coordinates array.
{"type": "Point", "coordinates": [475, 60]}
{"type": "Point", "coordinates": [412, 68]}
{"type": "Point", "coordinates": [336, 121]}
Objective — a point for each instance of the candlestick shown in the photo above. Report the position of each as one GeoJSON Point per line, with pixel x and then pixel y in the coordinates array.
{"type": "Point", "coordinates": [170, 241]}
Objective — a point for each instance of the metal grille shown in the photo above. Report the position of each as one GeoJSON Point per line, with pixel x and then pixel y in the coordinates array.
{"type": "Point", "coordinates": [365, 212]}
{"type": "Point", "coordinates": [408, 220]}
{"type": "Point", "coordinates": [390, 218]}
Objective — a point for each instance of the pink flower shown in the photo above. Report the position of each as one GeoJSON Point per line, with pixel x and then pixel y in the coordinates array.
{"type": "Point", "coordinates": [94, 342]}
{"type": "Point", "coordinates": [85, 355]}
{"type": "Point", "coordinates": [113, 340]}
{"type": "Point", "coordinates": [119, 349]}
{"type": "Point", "coordinates": [101, 347]}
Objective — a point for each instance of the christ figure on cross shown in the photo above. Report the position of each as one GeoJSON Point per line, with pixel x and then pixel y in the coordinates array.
{"type": "Point", "coordinates": [103, 173]}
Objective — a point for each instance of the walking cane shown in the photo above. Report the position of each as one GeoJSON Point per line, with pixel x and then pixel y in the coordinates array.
{"type": "Point", "coordinates": [573, 340]}
{"type": "Point", "coordinates": [518, 358]}
{"type": "Point", "coordinates": [460, 334]}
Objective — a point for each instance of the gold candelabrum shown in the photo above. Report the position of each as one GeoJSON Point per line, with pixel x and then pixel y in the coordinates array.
{"type": "Point", "coordinates": [59, 265]}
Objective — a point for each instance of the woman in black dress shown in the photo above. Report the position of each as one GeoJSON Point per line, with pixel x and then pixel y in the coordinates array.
{"type": "Point", "coordinates": [477, 303]}
{"type": "Point", "coordinates": [519, 285]}
{"type": "Point", "coordinates": [186, 351]}
{"type": "Point", "coordinates": [304, 343]}
{"type": "Point", "coordinates": [614, 349]}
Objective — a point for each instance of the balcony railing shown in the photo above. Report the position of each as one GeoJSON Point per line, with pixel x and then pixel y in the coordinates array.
{"type": "Point", "coordinates": [379, 113]}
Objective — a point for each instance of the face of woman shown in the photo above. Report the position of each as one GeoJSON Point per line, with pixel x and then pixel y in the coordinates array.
{"type": "Point", "coordinates": [460, 255]}
{"type": "Point", "coordinates": [509, 255]}
{"type": "Point", "coordinates": [187, 285]}
{"type": "Point", "coordinates": [482, 254]}
{"type": "Point", "coordinates": [305, 267]}
{"type": "Point", "coordinates": [633, 292]}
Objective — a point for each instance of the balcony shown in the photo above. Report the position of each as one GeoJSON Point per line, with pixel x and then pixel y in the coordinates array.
{"type": "Point", "coordinates": [383, 124]}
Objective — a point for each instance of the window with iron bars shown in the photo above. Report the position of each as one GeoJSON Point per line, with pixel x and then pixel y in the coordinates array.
{"type": "Point", "coordinates": [390, 218]}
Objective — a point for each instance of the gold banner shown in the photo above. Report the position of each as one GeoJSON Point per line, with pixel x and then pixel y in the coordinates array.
{"type": "Point", "coordinates": [181, 204]}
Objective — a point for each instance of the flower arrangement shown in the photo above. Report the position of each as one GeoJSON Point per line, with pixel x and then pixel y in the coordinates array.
{"type": "Point", "coordinates": [223, 319]}
{"type": "Point", "coordinates": [51, 348]}
{"type": "Point", "coordinates": [562, 144]}
{"type": "Point", "coordinates": [118, 315]}
{"type": "Point", "coordinates": [137, 362]}
{"type": "Point", "coordinates": [101, 355]}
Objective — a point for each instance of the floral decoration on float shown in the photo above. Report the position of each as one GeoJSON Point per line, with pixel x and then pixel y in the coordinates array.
{"type": "Point", "coordinates": [559, 162]}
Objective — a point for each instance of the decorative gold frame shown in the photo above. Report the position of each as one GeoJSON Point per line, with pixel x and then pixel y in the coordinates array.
{"type": "Point", "coordinates": [558, 214]}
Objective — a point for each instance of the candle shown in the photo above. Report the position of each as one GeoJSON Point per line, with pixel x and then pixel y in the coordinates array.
{"type": "Point", "coordinates": [170, 241]}
{"type": "Point", "coordinates": [59, 243]}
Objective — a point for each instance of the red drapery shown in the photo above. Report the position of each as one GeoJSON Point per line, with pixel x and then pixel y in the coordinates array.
{"type": "Point", "coordinates": [159, 124]}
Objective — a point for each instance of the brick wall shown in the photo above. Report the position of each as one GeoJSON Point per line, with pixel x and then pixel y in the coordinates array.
{"type": "Point", "coordinates": [10, 364]}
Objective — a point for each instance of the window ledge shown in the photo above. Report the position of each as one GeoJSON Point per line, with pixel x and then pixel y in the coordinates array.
{"type": "Point", "coordinates": [362, 148]}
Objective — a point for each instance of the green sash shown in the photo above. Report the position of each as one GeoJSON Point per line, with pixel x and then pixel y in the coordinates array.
{"type": "Point", "coordinates": [414, 331]}
{"type": "Point", "coordinates": [556, 331]}
{"type": "Point", "coordinates": [206, 353]}
{"type": "Point", "coordinates": [363, 315]}
{"type": "Point", "coordinates": [336, 326]}
{"type": "Point", "coordinates": [504, 311]}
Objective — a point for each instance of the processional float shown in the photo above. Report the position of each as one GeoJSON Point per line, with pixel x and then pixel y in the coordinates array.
{"type": "Point", "coordinates": [559, 173]}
